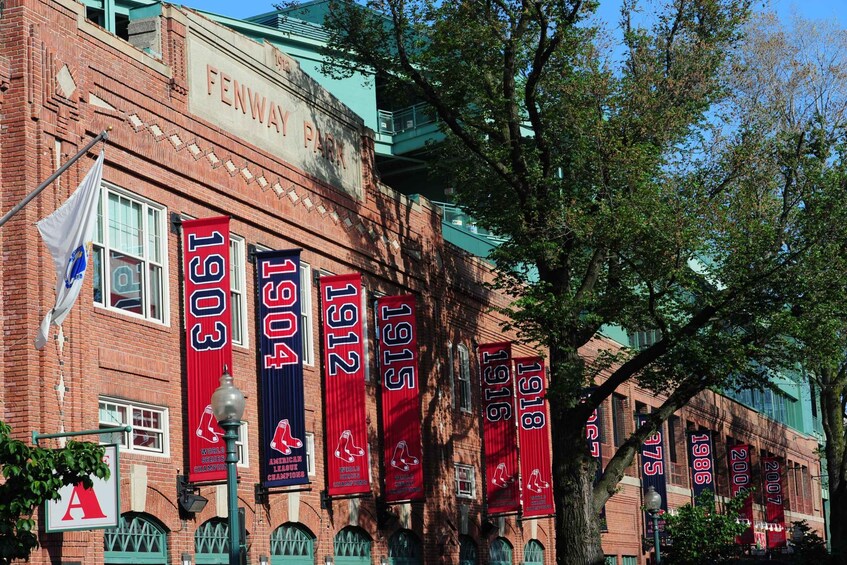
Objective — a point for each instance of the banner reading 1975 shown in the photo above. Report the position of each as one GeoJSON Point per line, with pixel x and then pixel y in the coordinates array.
{"type": "Point", "coordinates": [208, 340]}
{"type": "Point", "coordinates": [653, 471]}
{"type": "Point", "coordinates": [344, 385]}
{"type": "Point", "coordinates": [534, 434]}
{"type": "Point", "coordinates": [498, 426]}
{"type": "Point", "coordinates": [281, 368]}
{"type": "Point", "coordinates": [401, 418]}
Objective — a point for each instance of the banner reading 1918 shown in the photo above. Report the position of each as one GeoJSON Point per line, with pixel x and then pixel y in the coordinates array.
{"type": "Point", "coordinates": [741, 477]}
{"type": "Point", "coordinates": [653, 471]}
{"type": "Point", "coordinates": [498, 427]}
{"type": "Point", "coordinates": [534, 435]}
{"type": "Point", "coordinates": [344, 385]}
{"type": "Point", "coordinates": [281, 368]}
{"type": "Point", "coordinates": [208, 341]}
{"type": "Point", "coordinates": [702, 462]}
{"type": "Point", "coordinates": [401, 420]}
{"type": "Point", "coordinates": [774, 501]}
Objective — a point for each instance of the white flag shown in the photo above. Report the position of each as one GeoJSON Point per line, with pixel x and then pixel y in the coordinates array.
{"type": "Point", "coordinates": [67, 232]}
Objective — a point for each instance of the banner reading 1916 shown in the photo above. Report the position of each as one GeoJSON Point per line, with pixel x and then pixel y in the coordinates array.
{"type": "Point", "coordinates": [401, 420]}
{"type": "Point", "coordinates": [498, 426]}
{"type": "Point", "coordinates": [344, 385]}
{"type": "Point", "coordinates": [281, 368]}
{"type": "Point", "coordinates": [208, 339]}
{"type": "Point", "coordinates": [534, 434]}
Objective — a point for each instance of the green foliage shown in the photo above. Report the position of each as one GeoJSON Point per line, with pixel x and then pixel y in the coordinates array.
{"type": "Point", "coordinates": [34, 475]}
{"type": "Point", "coordinates": [810, 549]}
{"type": "Point", "coordinates": [700, 534]}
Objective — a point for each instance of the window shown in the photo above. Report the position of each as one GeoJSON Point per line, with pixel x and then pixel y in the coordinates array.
{"type": "Point", "coordinates": [619, 418]}
{"type": "Point", "coordinates": [238, 296]}
{"type": "Point", "coordinates": [306, 313]}
{"type": "Point", "coordinates": [467, 551]}
{"type": "Point", "coordinates": [673, 434]}
{"type": "Point", "coordinates": [129, 252]}
{"type": "Point", "coordinates": [464, 379]}
{"type": "Point", "coordinates": [451, 374]}
{"type": "Point", "coordinates": [310, 453]}
{"type": "Point", "coordinates": [292, 544]}
{"type": "Point", "coordinates": [241, 446]}
{"type": "Point", "coordinates": [643, 340]}
{"type": "Point", "coordinates": [500, 552]}
{"type": "Point", "coordinates": [149, 426]}
{"type": "Point", "coordinates": [138, 538]}
{"type": "Point", "coordinates": [465, 481]}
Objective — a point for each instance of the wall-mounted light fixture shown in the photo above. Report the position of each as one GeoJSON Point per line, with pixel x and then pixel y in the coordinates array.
{"type": "Point", "coordinates": [264, 560]}
{"type": "Point", "coordinates": [185, 559]}
{"type": "Point", "coordinates": [328, 560]}
{"type": "Point", "coordinates": [189, 497]}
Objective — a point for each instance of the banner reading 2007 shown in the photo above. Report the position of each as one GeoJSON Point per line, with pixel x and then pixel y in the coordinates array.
{"type": "Point", "coordinates": [401, 420]}
{"type": "Point", "coordinates": [534, 434]}
{"type": "Point", "coordinates": [344, 385]}
{"type": "Point", "coordinates": [281, 368]}
{"type": "Point", "coordinates": [208, 341]}
{"type": "Point", "coordinates": [498, 426]}
{"type": "Point", "coordinates": [774, 501]}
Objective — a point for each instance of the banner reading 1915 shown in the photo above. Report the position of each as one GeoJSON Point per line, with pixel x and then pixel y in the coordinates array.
{"type": "Point", "coordinates": [401, 420]}
{"type": "Point", "coordinates": [344, 385]}
{"type": "Point", "coordinates": [208, 339]}
{"type": "Point", "coordinates": [498, 426]}
{"type": "Point", "coordinates": [534, 435]}
{"type": "Point", "coordinates": [281, 368]}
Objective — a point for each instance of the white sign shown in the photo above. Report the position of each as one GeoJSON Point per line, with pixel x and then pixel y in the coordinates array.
{"type": "Point", "coordinates": [79, 508]}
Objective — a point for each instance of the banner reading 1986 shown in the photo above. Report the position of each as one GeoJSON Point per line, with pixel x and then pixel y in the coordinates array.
{"type": "Point", "coordinates": [534, 434]}
{"type": "Point", "coordinates": [401, 419]}
{"type": "Point", "coordinates": [701, 461]}
{"type": "Point", "coordinates": [281, 368]}
{"type": "Point", "coordinates": [498, 426]}
{"type": "Point", "coordinates": [344, 385]}
{"type": "Point", "coordinates": [208, 340]}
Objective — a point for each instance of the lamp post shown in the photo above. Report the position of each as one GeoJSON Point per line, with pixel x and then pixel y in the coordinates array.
{"type": "Point", "coordinates": [653, 503]}
{"type": "Point", "coordinates": [228, 407]}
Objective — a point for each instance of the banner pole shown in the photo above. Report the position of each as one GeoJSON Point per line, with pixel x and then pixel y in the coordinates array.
{"type": "Point", "coordinates": [106, 430]}
{"type": "Point", "coordinates": [102, 136]}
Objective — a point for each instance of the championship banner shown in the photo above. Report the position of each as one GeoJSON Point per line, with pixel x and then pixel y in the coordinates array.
{"type": "Point", "coordinates": [498, 427]}
{"type": "Point", "coordinates": [701, 462]}
{"type": "Point", "coordinates": [208, 350]}
{"type": "Point", "coordinates": [740, 475]}
{"type": "Point", "coordinates": [534, 436]}
{"type": "Point", "coordinates": [653, 471]}
{"type": "Point", "coordinates": [595, 447]}
{"type": "Point", "coordinates": [344, 385]}
{"type": "Point", "coordinates": [774, 501]}
{"type": "Point", "coordinates": [401, 411]}
{"type": "Point", "coordinates": [281, 368]}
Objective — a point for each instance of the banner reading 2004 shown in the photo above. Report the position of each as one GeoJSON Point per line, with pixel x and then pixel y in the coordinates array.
{"type": "Point", "coordinates": [281, 368]}
{"type": "Point", "coordinates": [344, 385]}
{"type": "Point", "coordinates": [208, 341]}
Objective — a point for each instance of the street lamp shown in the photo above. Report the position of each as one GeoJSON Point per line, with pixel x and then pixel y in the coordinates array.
{"type": "Point", "coordinates": [228, 407]}
{"type": "Point", "coordinates": [653, 503]}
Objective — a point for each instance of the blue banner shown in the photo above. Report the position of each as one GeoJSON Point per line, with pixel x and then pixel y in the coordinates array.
{"type": "Point", "coordinates": [281, 368]}
{"type": "Point", "coordinates": [653, 471]}
{"type": "Point", "coordinates": [702, 462]}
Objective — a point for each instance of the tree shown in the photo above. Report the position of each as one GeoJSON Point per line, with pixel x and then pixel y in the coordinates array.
{"type": "Point", "coordinates": [621, 205]}
{"type": "Point", "coordinates": [34, 475]}
{"type": "Point", "coordinates": [698, 533]}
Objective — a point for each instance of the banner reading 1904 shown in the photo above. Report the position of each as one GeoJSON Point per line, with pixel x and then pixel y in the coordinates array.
{"type": "Point", "coordinates": [401, 420]}
{"type": "Point", "coordinates": [534, 434]}
{"type": "Point", "coordinates": [344, 385]}
{"type": "Point", "coordinates": [208, 341]}
{"type": "Point", "coordinates": [281, 368]}
{"type": "Point", "coordinates": [498, 426]}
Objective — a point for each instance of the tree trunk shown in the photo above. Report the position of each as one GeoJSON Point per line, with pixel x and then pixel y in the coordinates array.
{"type": "Point", "coordinates": [838, 523]}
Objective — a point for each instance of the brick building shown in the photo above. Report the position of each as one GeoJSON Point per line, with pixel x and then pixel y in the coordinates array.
{"type": "Point", "coordinates": [184, 143]}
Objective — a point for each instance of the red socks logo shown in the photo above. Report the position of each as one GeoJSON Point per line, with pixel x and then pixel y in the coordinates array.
{"type": "Point", "coordinates": [206, 427]}
{"type": "Point", "coordinates": [500, 478]}
{"type": "Point", "coordinates": [283, 441]}
{"type": "Point", "coordinates": [402, 459]}
{"type": "Point", "coordinates": [535, 484]}
{"type": "Point", "coordinates": [347, 450]}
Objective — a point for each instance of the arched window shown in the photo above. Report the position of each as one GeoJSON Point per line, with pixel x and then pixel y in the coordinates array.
{"type": "Point", "coordinates": [352, 547]}
{"type": "Point", "coordinates": [467, 551]}
{"type": "Point", "coordinates": [533, 553]}
{"type": "Point", "coordinates": [211, 542]}
{"type": "Point", "coordinates": [500, 552]}
{"type": "Point", "coordinates": [404, 548]}
{"type": "Point", "coordinates": [292, 544]}
{"type": "Point", "coordinates": [138, 538]}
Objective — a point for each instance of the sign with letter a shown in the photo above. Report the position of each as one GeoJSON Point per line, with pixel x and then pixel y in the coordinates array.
{"type": "Point", "coordinates": [79, 508]}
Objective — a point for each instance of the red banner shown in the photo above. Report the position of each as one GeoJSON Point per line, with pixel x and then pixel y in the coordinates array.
{"type": "Point", "coordinates": [401, 414]}
{"type": "Point", "coordinates": [208, 321]}
{"type": "Point", "coordinates": [774, 501]}
{"type": "Point", "coordinates": [344, 385]}
{"type": "Point", "coordinates": [741, 476]}
{"type": "Point", "coordinates": [498, 427]}
{"type": "Point", "coordinates": [534, 435]}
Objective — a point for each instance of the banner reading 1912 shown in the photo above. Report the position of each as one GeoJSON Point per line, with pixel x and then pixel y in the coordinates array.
{"type": "Point", "coordinates": [344, 385]}
{"type": "Point", "coordinates": [281, 368]}
{"type": "Point", "coordinates": [534, 435]}
{"type": "Point", "coordinates": [498, 426]}
{"type": "Point", "coordinates": [401, 420]}
{"type": "Point", "coordinates": [208, 340]}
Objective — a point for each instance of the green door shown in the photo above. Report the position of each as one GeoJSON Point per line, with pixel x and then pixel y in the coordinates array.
{"type": "Point", "coordinates": [352, 547]}
{"type": "Point", "coordinates": [292, 544]}
{"type": "Point", "coordinates": [404, 548]}
{"type": "Point", "coordinates": [500, 552]}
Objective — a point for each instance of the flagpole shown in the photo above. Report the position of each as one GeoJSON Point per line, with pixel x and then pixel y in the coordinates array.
{"type": "Point", "coordinates": [102, 136]}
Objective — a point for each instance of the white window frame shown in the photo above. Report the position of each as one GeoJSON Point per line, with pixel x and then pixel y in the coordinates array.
{"type": "Point", "coordinates": [457, 468]}
{"type": "Point", "coordinates": [101, 241]}
{"type": "Point", "coordinates": [242, 445]}
{"type": "Point", "coordinates": [310, 453]}
{"type": "Point", "coordinates": [306, 315]}
{"type": "Point", "coordinates": [451, 374]}
{"type": "Point", "coordinates": [238, 269]}
{"type": "Point", "coordinates": [127, 446]}
{"type": "Point", "coordinates": [465, 392]}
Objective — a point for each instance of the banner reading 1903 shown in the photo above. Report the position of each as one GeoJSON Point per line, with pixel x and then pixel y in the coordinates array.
{"type": "Point", "coordinates": [534, 434]}
{"type": "Point", "coordinates": [281, 368]}
{"type": "Point", "coordinates": [401, 420]}
{"type": "Point", "coordinates": [344, 385]}
{"type": "Point", "coordinates": [498, 427]}
{"type": "Point", "coordinates": [208, 340]}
